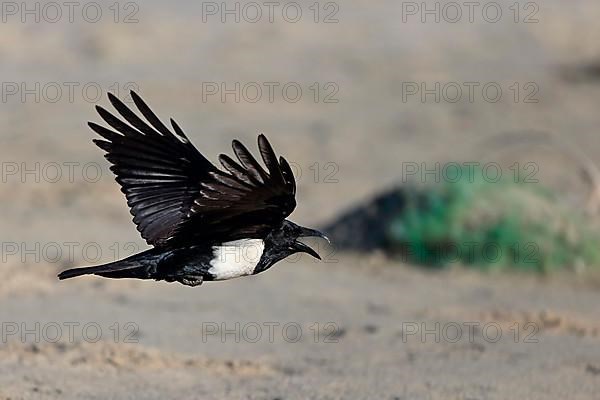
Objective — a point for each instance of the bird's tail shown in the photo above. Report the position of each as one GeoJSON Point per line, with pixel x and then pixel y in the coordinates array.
{"type": "Point", "coordinates": [119, 269]}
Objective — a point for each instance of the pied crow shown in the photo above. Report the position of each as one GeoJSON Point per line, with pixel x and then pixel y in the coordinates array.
{"type": "Point", "coordinates": [204, 223]}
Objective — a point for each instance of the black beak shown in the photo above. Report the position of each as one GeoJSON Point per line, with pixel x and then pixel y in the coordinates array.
{"type": "Point", "coordinates": [306, 232]}
{"type": "Point", "coordinates": [301, 247]}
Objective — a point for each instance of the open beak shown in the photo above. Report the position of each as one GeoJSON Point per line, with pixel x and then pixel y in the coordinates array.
{"type": "Point", "coordinates": [306, 232]}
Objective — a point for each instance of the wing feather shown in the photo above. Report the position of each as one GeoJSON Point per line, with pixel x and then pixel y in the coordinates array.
{"type": "Point", "coordinates": [237, 170]}
{"type": "Point", "coordinates": [270, 160]}
{"type": "Point", "coordinates": [149, 115]}
{"type": "Point", "coordinates": [250, 164]}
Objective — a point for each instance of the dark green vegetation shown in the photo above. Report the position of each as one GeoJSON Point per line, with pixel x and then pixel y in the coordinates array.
{"type": "Point", "coordinates": [492, 225]}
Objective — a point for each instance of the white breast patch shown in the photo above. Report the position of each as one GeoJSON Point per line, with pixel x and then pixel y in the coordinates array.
{"type": "Point", "coordinates": [237, 258]}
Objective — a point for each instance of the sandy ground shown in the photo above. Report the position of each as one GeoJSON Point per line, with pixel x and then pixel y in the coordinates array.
{"type": "Point", "coordinates": [339, 330]}
{"type": "Point", "coordinates": [360, 316]}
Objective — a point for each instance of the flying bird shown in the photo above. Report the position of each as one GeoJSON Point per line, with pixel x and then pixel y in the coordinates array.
{"type": "Point", "coordinates": [204, 223]}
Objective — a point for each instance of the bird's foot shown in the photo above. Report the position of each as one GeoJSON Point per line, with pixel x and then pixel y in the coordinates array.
{"type": "Point", "coordinates": [192, 280]}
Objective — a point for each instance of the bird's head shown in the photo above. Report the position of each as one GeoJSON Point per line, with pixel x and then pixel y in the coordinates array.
{"type": "Point", "coordinates": [284, 240]}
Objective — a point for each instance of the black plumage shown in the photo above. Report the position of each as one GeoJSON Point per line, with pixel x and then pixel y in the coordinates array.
{"type": "Point", "coordinates": [187, 208]}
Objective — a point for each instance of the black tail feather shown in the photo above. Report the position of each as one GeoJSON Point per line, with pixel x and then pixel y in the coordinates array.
{"type": "Point", "coordinates": [119, 269]}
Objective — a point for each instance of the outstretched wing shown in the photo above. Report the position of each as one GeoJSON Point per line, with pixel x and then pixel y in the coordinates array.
{"type": "Point", "coordinates": [176, 194]}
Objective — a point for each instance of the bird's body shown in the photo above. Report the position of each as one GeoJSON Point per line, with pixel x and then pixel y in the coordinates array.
{"type": "Point", "coordinates": [205, 224]}
{"type": "Point", "coordinates": [190, 265]}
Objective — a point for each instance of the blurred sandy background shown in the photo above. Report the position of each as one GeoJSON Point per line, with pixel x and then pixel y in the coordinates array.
{"type": "Point", "coordinates": [368, 55]}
